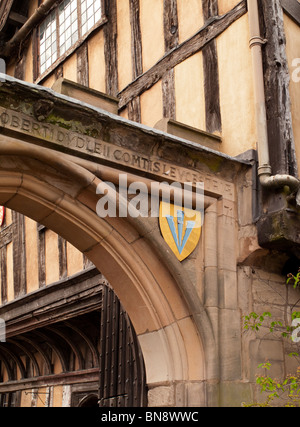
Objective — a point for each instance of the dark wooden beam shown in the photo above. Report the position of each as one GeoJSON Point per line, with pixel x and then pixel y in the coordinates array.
{"type": "Point", "coordinates": [169, 99]}
{"type": "Point", "coordinates": [292, 9]}
{"type": "Point", "coordinates": [83, 65]}
{"type": "Point", "coordinates": [277, 80]}
{"type": "Point", "coordinates": [136, 39]}
{"type": "Point", "coordinates": [17, 18]}
{"type": "Point", "coordinates": [171, 33]}
{"type": "Point", "coordinates": [110, 47]}
{"type": "Point", "coordinates": [6, 235]}
{"type": "Point", "coordinates": [41, 255]}
{"type": "Point", "coordinates": [3, 263]}
{"type": "Point", "coordinates": [212, 88]}
{"type": "Point", "coordinates": [171, 36]}
{"type": "Point", "coordinates": [62, 257]}
{"type": "Point", "coordinates": [211, 73]}
{"type": "Point", "coordinates": [134, 107]}
{"type": "Point", "coordinates": [86, 376]}
{"type": "Point", "coordinates": [210, 9]}
{"type": "Point", "coordinates": [5, 8]}
{"type": "Point", "coordinates": [20, 67]}
{"type": "Point", "coordinates": [19, 254]}
{"type": "Point", "coordinates": [66, 298]}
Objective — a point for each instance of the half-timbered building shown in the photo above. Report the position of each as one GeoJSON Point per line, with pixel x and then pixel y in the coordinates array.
{"type": "Point", "coordinates": [103, 310]}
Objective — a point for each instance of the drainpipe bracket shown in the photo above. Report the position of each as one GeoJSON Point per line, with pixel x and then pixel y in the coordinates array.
{"type": "Point", "coordinates": [264, 171]}
{"type": "Point", "coordinates": [257, 41]}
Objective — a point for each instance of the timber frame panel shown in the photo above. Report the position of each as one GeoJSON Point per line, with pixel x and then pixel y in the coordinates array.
{"type": "Point", "coordinates": [142, 80]}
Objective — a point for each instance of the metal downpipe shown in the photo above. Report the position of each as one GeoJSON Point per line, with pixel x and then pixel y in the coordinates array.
{"type": "Point", "coordinates": [266, 178]}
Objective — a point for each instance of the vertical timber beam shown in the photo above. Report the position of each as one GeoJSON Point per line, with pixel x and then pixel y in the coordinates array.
{"type": "Point", "coordinates": [277, 79]}
{"type": "Point", "coordinates": [41, 255]}
{"type": "Point", "coordinates": [62, 257]}
{"type": "Point", "coordinates": [134, 106]}
{"type": "Point", "coordinates": [83, 65]}
{"type": "Point", "coordinates": [136, 39]}
{"type": "Point", "coordinates": [19, 254]}
{"type": "Point", "coordinates": [110, 47]}
{"type": "Point", "coordinates": [3, 263]}
{"type": "Point", "coordinates": [211, 74]}
{"type": "Point", "coordinates": [20, 67]}
{"type": "Point", "coordinates": [171, 36]}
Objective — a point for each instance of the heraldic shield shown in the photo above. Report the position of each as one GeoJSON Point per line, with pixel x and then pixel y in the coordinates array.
{"type": "Point", "coordinates": [180, 228]}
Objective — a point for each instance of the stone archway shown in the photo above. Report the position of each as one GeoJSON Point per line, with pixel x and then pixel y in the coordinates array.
{"type": "Point", "coordinates": [172, 326]}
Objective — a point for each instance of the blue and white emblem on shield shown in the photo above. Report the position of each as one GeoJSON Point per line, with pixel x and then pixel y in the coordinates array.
{"type": "Point", "coordinates": [181, 228]}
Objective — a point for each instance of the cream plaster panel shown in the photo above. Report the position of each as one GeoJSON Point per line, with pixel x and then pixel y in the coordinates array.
{"type": "Point", "coordinates": [97, 62]}
{"type": "Point", "coordinates": [29, 64]}
{"type": "Point", "coordinates": [151, 105]}
{"type": "Point", "coordinates": [190, 100]}
{"type": "Point", "coordinates": [70, 68]}
{"type": "Point", "coordinates": [31, 245]}
{"type": "Point", "coordinates": [57, 396]}
{"type": "Point", "coordinates": [124, 114]}
{"type": "Point", "coordinates": [51, 257]}
{"type": "Point", "coordinates": [42, 396]}
{"type": "Point", "coordinates": [26, 398]}
{"type": "Point", "coordinates": [124, 44]}
{"type": "Point", "coordinates": [5, 376]}
{"type": "Point", "coordinates": [57, 368]}
{"type": "Point", "coordinates": [152, 31]}
{"type": "Point", "coordinates": [33, 5]}
{"type": "Point", "coordinates": [8, 216]}
{"type": "Point", "coordinates": [74, 260]}
{"type": "Point", "coordinates": [190, 18]}
{"type": "Point", "coordinates": [49, 81]}
{"type": "Point", "coordinates": [226, 5]}
{"type": "Point", "coordinates": [236, 89]}
{"type": "Point", "coordinates": [292, 32]}
{"type": "Point", "coordinates": [10, 273]}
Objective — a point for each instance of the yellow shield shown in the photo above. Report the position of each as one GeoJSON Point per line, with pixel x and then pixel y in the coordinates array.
{"type": "Point", "coordinates": [181, 228]}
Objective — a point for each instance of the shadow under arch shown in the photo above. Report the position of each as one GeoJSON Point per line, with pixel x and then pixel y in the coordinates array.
{"type": "Point", "coordinates": [170, 321]}
{"type": "Point", "coordinates": [90, 401]}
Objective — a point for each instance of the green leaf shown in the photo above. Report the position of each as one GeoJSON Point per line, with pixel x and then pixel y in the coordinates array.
{"type": "Point", "coordinates": [267, 314]}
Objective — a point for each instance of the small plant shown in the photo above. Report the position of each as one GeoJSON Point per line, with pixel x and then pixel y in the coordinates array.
{"type": "Point", "coordinates": [295, 279]}
{"type": "Point", "coordinates": [284, 392]}
{"type": "Point", "coordinates": [287, 391]}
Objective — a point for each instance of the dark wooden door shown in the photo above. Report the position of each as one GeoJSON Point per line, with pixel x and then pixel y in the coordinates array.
{"type": "Point", "coordinates": [122, 372]}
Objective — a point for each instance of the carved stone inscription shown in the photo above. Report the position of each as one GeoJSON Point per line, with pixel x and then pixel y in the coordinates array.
{"type": "Point", "coordinates": [84, 144]}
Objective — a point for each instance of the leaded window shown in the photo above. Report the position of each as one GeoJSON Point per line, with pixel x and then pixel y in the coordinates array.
{"type": "Point", "coordinates": [70, 22]}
